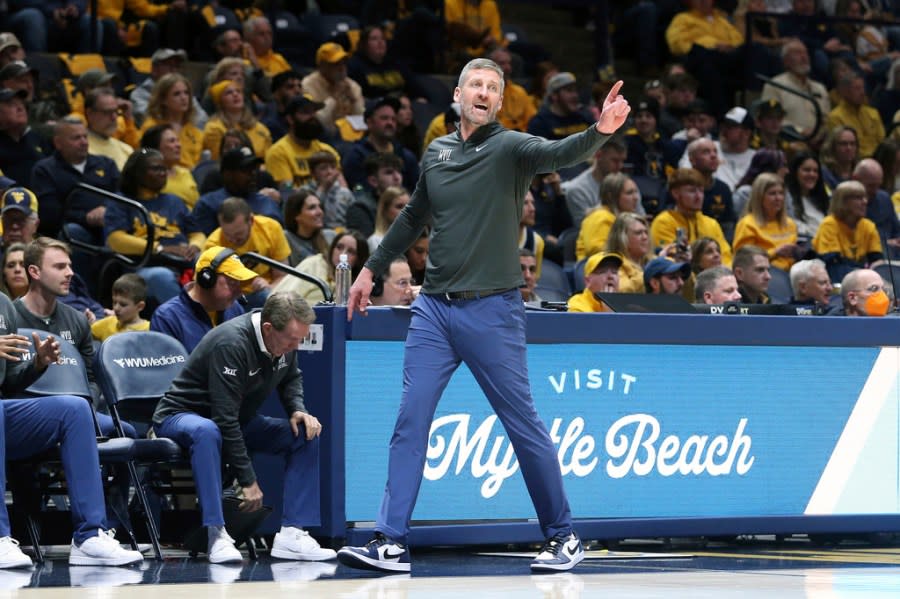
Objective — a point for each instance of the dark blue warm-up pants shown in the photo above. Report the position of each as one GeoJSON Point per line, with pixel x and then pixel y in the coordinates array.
{"type": "Point", "coordinates": [202, 438]}
{"type": "Point", "coordinates": [488, 334]}
{"type": "Point", "coordinates": [30, 426]}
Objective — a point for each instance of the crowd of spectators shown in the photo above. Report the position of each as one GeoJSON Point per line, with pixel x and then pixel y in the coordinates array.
{"type": "Point", "coordinates": [291, 153]}
{"type": "Point", "coordinates": [301, 153]}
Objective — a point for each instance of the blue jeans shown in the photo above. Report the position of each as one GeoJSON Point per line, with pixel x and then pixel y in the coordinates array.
{"type": "Point", "coordinates": [202, 438]}
{"type": "Point", "coordinates": [30, 426]}
{"type": "Point", "coordinates": [489, 336]}
{"type": "Point", "coordinates": [35, 32]}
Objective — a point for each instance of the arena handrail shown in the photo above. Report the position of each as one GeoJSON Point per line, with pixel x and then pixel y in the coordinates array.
{"type": "Point", "coordinates": [96, 250]}
{"type": "Point", "coordinates": [322, 285]}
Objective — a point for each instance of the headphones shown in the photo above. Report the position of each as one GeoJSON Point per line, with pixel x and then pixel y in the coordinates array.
{"type": "Point", "coordinates": [207, 276]}
{"type": "Point", "coordinates": [377, 286]}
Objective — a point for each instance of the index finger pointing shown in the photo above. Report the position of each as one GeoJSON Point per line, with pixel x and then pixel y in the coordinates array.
{"type": "Point", "coordinates": [611, 96]}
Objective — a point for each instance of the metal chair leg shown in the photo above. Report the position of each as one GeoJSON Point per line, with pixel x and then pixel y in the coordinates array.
{"type": "Point", "coordinates": [145, 506]}
{"type": "Point", "coordinates": [34, 536]}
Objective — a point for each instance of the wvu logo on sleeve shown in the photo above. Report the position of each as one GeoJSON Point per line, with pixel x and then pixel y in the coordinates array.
{"type": "Point", "coordinates": [444, 156]}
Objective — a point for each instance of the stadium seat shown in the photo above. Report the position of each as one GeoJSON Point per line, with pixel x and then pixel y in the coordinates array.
{"type": "Point", "coordinates": [324, 28]}
{"type": "Point", "coordinates": [891, 275]}
{"type": "Point", "coordinates": [435, 90]}
{"type": "Point", "coordinates": [578, 276]}
{"type": "Point", "coordinates": [291, 38]}
{"type": "Point", "coordinates": [554, 277]}
{"type": "Point", "coordinates": [566, 241]}
{"type": "Point", "coordinates": [780, 286]}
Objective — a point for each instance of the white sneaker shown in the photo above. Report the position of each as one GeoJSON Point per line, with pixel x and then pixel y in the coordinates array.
{"type": "Point", "coordinates": [14, 579]}
{"type": "Point", "coordinates": [293, 571]}
{"type": "Point", "coordinates": [99, 576]}
{"type": "Point", "coordinates": [102, 550]}
{"type": "Point", "coordinates": [11, 556]}
{"type": "Point", "coordinates": [295, 543]}
{"type": "Point", "coordinates": [224, 574]}
{"type": "Point", "coordinates": [221, 547]}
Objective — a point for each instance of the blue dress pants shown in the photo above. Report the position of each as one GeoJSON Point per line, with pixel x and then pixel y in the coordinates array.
{"type": "Point", "coordinates": [30, 426]}
{"type": "Point", "coordinates": [202, 438]}
{"type": "Point", "coordinates": [488, 334]}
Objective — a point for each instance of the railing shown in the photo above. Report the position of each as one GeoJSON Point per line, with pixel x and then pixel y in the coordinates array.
{"type": "Point", "coordinates": [322, 285]}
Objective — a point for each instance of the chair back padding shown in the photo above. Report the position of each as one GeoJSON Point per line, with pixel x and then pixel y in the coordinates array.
{"type": "Point", "coordinates": [68, 376]}
{"type": "Point", "coordinates": [137, 367]}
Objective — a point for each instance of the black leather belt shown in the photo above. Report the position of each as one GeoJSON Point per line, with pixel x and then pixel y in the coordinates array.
{"type": "Point", "coordinates": [470, 295]}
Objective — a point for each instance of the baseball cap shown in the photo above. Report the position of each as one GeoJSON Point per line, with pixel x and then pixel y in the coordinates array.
{"type": "Point", "coordinates": [770, 107]}
{"type": "Point", "coordinates": [379, 102]}
{"type": "Point", "coordinates": [239, 158]}
{"type": "Point", "coordinates": [231, 267]}
{"type": "Point", "coordinates": [739, 116]}
{"type": "Point", "coordinates": [21, 199]}
{"type": "Point", "coordinates": [9, 40]}
{"type": "Point", "coordinates": [665, 266]}
{"type": "Point", "coordinates": [699, 106]}
{"type": "Point", "coordinates": [330, 52]}
{"type": "Point", "coordinates": [7, 94]}
{"type": "Point", "coordinates": [302, 101]}
{"type": "Point", "coordinates": [92, 78]}
{"type": "Point", "coordinates": [599, 258]}
{"type": "Point", "coordinates": [559, 81]}
{"type": "Point", "coordinates": [166, 53]}
{"type": "Point", "coordinates": [283, 77]}
{"type": "Point", "coordinates": [647, 104]}
{"type": "Point", "coordinates": [14, 69]}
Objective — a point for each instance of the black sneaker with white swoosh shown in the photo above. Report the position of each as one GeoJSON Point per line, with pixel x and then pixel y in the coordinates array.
{"type": "Point", "coordinates": [560, 553]}
{"type": "Point", "coordinates": [380, 554]}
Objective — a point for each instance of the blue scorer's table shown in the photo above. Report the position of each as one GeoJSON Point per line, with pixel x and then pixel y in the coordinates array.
{"type": "Point", "coordinates": [666, 425]}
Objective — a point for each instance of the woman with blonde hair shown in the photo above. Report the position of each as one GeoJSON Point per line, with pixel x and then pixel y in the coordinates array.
{"type": "Point", "coordinates": [618, 193]}
{"type": "Point", "coordinates": [233, 112]}
{"type": "Point", "coordinates": [254, 85]}
{"type": "Point", "coordinates": [846, 239]}
{"type": "Point", "coordinates": [629, 236]}
{"type": "Point", "coordinates": [839, 155]}
{"type": "Point", "coordinates": [391, 201]}
{"type": "Point", "coordinates": [766, 223]}
{"type": "Point", "coordinates": [171, 102]}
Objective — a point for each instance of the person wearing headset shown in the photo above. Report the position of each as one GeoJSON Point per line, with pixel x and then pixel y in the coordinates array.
{"type": "Point", "coordinates": [395, 287]}
{"type": "Point", "coordinates": [209, 300]}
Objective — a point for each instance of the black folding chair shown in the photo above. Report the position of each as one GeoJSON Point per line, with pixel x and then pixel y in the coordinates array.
{"type": "Point", "coordinates": [67, 377]}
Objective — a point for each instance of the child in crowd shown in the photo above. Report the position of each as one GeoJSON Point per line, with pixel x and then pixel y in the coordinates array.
{"type": "Point", "coordinates": [129, 295]}
{"type": "Point", "coordinates": [329, 185]}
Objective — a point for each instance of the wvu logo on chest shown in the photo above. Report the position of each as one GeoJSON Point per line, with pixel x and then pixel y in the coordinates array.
{"type": "Point", "coordinates": [444, 155]}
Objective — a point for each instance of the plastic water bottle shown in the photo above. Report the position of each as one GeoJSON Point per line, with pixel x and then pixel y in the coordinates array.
{"type": "Point", "coordinates": [342, 281]}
